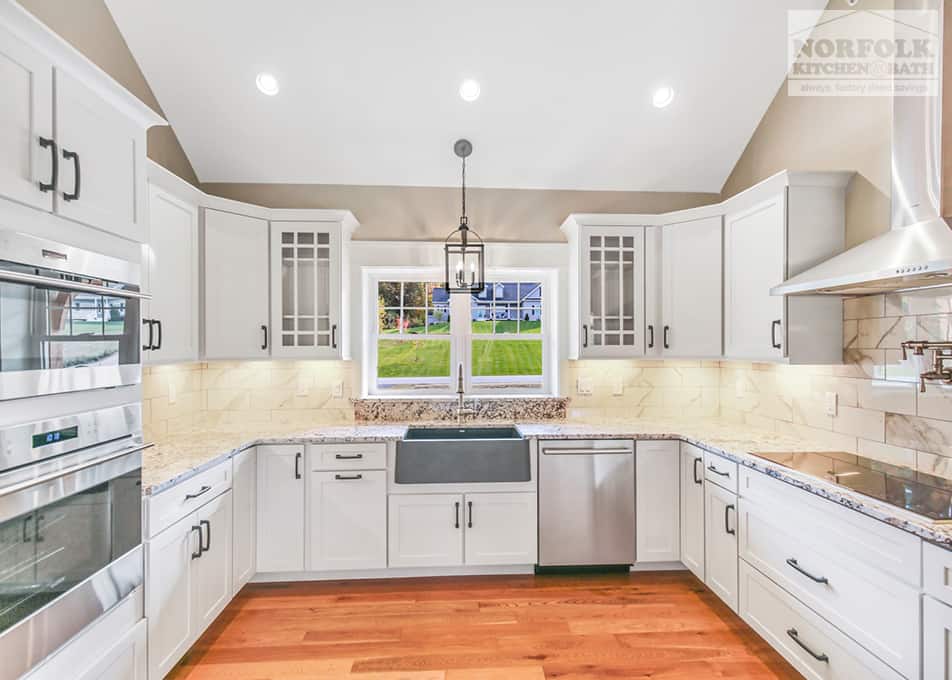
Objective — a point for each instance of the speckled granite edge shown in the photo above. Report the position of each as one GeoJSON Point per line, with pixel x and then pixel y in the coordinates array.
{"type": "Point", "coordinates": [729, 447]}
{"type": "Point", "coordinates": [486, 408]}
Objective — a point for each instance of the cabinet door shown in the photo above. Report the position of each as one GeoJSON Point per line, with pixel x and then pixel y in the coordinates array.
{"type": "Point", "coordinates": [937, 640]}
{"type": "Point", "coordinates": [169, 578]}
{"type": "Point", "coordinates": [305, 289]}
{"type": "Point", "coordinates": [26, 80]}
{"type": "Point", "coordinates": [171, 259]}
{"type": "Point", "coordinates": [126, 660]}
{"type": "Point", "coordinates": [243, 493]}
{"type": "Point", "coordinates": [654, 315]}
{"type": "Point", "coordinates": [280, 525]}
{"type": "Point", "coordinates": [211, 585]}
{"type": "Point", "coordinates": [348, 520]}
{"type": "Point", "coordinates": [754, 256]}
{"type": "Point", "coordinates": [657, 513]}
{"type": "Point", "coordinates": [613, 291]}
{"type": "Point", "coordinates": [425, 530]}
{"type": "Point", "coordinates": [101, 163]}
{"type": "Point", "coordinates": [692, 288]}
{"type": "Point", "coordinates": [501, 528]}
{"type": "Point", "coordinates": [720, 543]}
{"type": "Point", "coordinates": [236, 286]}
{"type": "Point", "coordinates": [692, 509]}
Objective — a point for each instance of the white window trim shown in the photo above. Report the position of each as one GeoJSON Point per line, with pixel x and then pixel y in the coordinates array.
{"type": "Point", "coordinates": [460, 340]}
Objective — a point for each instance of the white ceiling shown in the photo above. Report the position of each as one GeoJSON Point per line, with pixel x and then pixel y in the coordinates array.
{"type": "Point", "coordinates": [369, 89]}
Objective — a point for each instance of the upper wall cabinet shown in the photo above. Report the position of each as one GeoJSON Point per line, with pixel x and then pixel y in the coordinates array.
{"type": "Point", "coordinates": [72, 141]}
{"type": "Point", "coordinates": [308, 296]}
{"type": "Point", "coordinates": [772, 232]}
{"type": "Point", "coordinates": [607, 293]}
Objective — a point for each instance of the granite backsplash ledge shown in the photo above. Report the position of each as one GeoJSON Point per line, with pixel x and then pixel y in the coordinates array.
{"type": "Point", "coordinates": [510, 409]}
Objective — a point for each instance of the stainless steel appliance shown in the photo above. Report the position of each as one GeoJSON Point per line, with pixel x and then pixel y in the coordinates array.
{"type": "Point", "coordinates": [586, 503]}
{"type": "Point", "coordinates": [70, 528]}
{"type": "Point", "coordinates": [69, 318]}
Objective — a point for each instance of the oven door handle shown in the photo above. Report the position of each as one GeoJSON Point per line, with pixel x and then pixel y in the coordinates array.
{"type": "Point", "coordinates": [53, 476]}
{"type": "Point", "coordinates": [46, 281]}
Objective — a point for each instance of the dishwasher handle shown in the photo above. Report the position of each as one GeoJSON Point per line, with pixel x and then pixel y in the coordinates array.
{"type": "Point", "coordinates": [590, 452]}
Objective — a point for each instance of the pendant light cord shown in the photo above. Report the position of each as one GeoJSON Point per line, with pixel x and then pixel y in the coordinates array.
{"type": "Point", "coordinates": [464, 189]}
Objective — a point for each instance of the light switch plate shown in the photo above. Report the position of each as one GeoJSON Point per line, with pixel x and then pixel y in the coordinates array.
{"type": "Point", "coordinates": [338, 391]}
{"type": "Point", "coordinates": [583, 387]}
{"type": "Point", "coordinates": [831, 403]}
{"type": "Point", "coordinates": [618, 387]}
{"type": "Point", "coordinates": [303, 385]}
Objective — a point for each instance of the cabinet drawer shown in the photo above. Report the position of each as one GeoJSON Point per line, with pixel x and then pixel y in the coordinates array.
{"type": "Point", "coordinates": [874, 608]}
{"type": "Point", "coordinates": [721, 471]}
{"type": "Point", "coordinates": [171, 505]}
{"type": "Point", "coordinates": [369, 456]}
{"type": "Point", "coordinates": [867, 540]}
{"type": "Point", "coordinates": [937, 572]}
{"type": "Point", "coordinates": [800, 636]}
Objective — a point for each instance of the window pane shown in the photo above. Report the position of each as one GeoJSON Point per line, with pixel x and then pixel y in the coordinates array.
{"type": "Point", "coordinates": [507, 358]}
{"type": "Point", "coordinates": [413, 358]}
{"type": "Point", "coordinates": [414, 321]}
{"type": "Point", "coordinates": [414, 294]}
{"type": "Point", "coordinates": [388, 293]}
{"type": "Point", "coordinates": [438, 320]}
{"type": "Point", "coordinates": [389, 320]}
{"type": "Point", "coordinates": [482, 312]}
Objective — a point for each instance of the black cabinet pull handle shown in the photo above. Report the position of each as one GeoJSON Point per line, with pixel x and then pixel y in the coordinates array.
{"type": "Point", "coordinates": [792, 633]}
{"type": "Point", "coordinates": [664, 339]}
{"type": "Point", "coordinates": [158, 343]}
{"type": "Point", "coordinates": [208, 529]}
{"type": "Point", "coordinates": [718, 472]}
{"type": "Point", "coordinates": [264, 329]}
{"type": "Point", "coordinates": [148, 322]}
{"type": "Point", "coordinates": [816, 579]}
{"type": "Point", "coordinates": [457, 514]}
{"type": "Point", "coordinates": [334, 336]}
{"type": "Point", "coordinates": [584, 335]}
{"type": "Point", "coordinates": [201, 492]}
{"type": "Point", "coordinates": [650, 336]}
{"type": "Point", "coordinates": [773, 334]}
{"type": "Point", "coordinates": [297, 465]}
{"type": "Point", "coordinates": [470, 523]}
{"type": "Point", "coordinates": [348, 477]}
{"type": "Point", "coordinates": [727, 525]}
{"type": "Point", "coordinates": [697, 480]}
{"type": "Point", "coordinates": [54, 168]}
{"type": "Point", "coordinates": [198, 554]}
{"type": "Point", "coordinates": [356, 456]}
{"type": "Point", "coordinates": [67, 155]}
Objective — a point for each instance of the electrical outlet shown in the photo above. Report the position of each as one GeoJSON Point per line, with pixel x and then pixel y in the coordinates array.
{"type": "Point", "coordinates": [583, 387]}
{"type": "Point", "coordinates": [831, 403]}
{"type": "Point", "coordinates": [338, 391]}
{"type": "Point", "coordinates": [618, 387]}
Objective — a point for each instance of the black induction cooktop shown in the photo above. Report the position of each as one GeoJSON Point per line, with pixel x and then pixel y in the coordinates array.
{"type": "Point", "coordinates": [917, 492]}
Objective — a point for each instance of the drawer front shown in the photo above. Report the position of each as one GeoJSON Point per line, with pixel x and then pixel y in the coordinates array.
{"type": "Point", "coordinates": [800, 636]}
{"type": "Point", "coordinates": [869, 541]}
{"type": "Point", "coordinates": [720, 471]}
{"type": "Point", "coordinates": [370, 456]}
{"type": "Point", "coordinates": [171, 505]}
{"type": "Point", "coordinates": [877, 610]}
{"type": "Point", "coordinates": [937, 572]}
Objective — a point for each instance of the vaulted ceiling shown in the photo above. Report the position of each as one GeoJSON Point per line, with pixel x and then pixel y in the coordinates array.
{"type": "Point", "coordinates": [369, 89]}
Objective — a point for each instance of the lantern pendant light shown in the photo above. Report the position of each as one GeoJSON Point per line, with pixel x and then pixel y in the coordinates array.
{"type": "Point", "coordinates": [464, 250]}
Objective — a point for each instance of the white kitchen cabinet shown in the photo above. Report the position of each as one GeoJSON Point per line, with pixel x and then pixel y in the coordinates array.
{"type": "Point", "coordinates": [212, 581]}
{"type": "Point", "coordinates": [607, 291]}
{"type": "Point", "coordinates": [26, 118]}
{"type": "Point", "coordinates": [244, 493]}
{"type": "Point", "coordinates": [692, 288]}
{"type": "Point", "coordinates": [654, 298]}
{"type": "Point", "coordinates": [768, 239]}
{"type": "Point", "coordinates": [170, 270]}
{"type": "Point", "coordinates": [236, 286]}
{"type": "Point", "coordinates": [720, 543]}
{"type": "Point", "coordinates": [425, 530]}
{"type": "Point", "coordinates": [347, 512]}
{"type": "Point", "coordinates": [657, 501]}
{"type": "Point", "coordinates": [500, 528]}
{"type": "Point", "coordinates": [937, 640]}
{"type": "Point", "coordinates": [125, 660]}
{"type": "Point", "coordinates": [692, 508]}
{"type": "Point", "coordinates": [280, 509]}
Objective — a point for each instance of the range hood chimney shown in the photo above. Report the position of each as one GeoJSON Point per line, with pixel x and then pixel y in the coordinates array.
{"type": "Point", "coordinates": [917, 250]}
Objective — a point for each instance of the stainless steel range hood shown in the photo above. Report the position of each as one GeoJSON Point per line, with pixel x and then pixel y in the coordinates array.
{"type": "Point", "coordinates": [917, 250]}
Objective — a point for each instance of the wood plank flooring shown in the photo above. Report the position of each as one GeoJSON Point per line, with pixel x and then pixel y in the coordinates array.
{"type": "Point", "coordinates": [658, 625]}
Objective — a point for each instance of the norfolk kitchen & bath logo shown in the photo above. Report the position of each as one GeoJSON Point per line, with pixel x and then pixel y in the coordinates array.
{"type": "Point", "coordinates": [863, 53]}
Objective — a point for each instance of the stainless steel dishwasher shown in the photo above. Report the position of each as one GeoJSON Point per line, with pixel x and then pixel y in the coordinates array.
{"type": "Point", "coordinates": [586, 503]}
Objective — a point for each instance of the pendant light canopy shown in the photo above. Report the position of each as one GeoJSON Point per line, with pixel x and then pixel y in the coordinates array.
{"type": "Point", "coordinates": [464, 250]}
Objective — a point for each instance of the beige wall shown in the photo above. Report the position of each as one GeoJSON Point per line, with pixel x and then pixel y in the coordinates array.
{"type": "Point", "coordinates": [430, 213]}
{"type": "Point", "coordinates": [88, 26]}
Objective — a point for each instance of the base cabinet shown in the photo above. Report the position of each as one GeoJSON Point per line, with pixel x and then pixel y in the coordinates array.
{"type": "Point", "coordinates": [692, 509]}
{"type": "Point", "coordinates": [657, 513]}
{"type": "Point", "coordinates": [425, 530]}
{"type": "Point", "coordinates": [937, 640]}
{"type": "Point", "coordinates": [500, 528]}
{"type": "Point", "coordinates": [347, 520]}
{"type": "Point", "coordinates": [126, 660]}
{"type": "Point", "coordinates": [720, 543]}
{"type": "Point", "coordinates": [244, 493]}
{"type": "Point", "coordinates": [280, 509]}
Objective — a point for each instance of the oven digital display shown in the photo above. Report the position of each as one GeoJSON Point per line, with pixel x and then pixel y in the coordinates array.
{"type": "Point", "coordinates": [55, 436]}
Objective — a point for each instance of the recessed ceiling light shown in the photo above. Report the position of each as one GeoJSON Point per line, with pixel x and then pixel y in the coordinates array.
{"type": "Point", "coordinates": [267, 83]}
{"type": "Point", "coordinates": [662, 97]}
{"type": "Point", "coordinates": [469, 90]}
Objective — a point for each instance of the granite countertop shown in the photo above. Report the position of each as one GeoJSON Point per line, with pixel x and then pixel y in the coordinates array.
{"type": "Point", "coordinates": [177, 457]}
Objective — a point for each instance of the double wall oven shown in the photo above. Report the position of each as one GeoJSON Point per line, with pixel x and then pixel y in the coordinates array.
{"type": "Point", "coordinates": [69, 318]}
{"type": "Point", "coordinates": [70, 528]}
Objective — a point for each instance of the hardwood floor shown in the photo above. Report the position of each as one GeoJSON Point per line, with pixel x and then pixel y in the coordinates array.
{"type": "Point", "coordinates": [659, 625]}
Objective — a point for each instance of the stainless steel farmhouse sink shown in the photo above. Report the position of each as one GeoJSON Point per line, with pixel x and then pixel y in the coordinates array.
{"type": "Point", "coordinates": [462, 455]}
